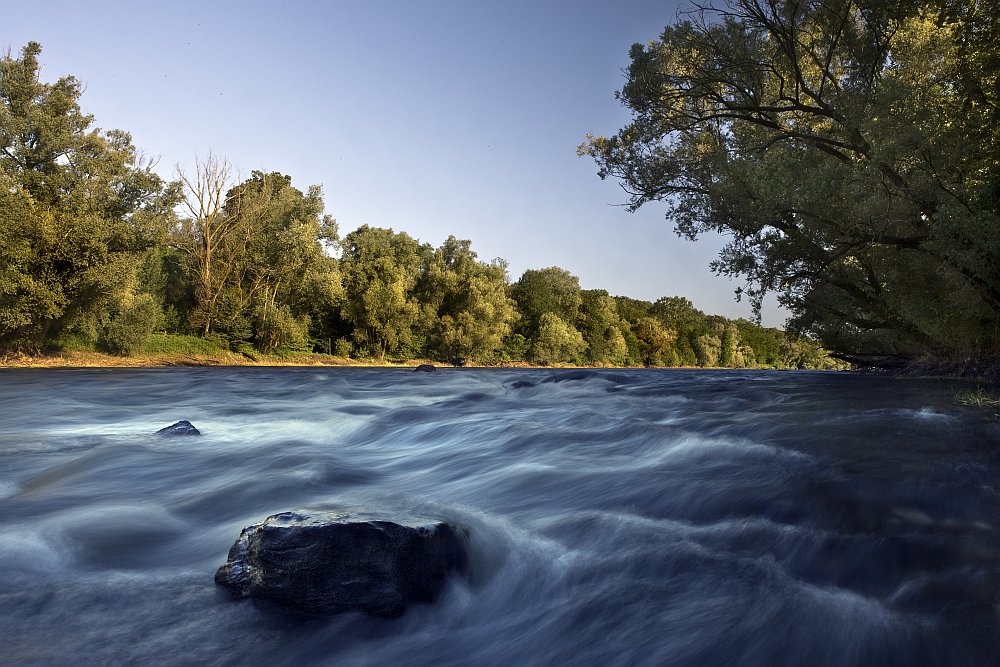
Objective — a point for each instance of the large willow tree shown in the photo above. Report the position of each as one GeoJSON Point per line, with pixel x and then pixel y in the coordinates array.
{"type": "Point", "coordinates": [849, 150]}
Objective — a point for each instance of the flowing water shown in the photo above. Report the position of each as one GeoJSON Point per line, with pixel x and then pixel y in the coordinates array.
{"type": "Point", "coordinates": [639, 517]}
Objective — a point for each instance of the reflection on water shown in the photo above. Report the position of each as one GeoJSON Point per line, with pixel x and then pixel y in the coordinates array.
{"type": "Point", "coordinates": [617, 517]}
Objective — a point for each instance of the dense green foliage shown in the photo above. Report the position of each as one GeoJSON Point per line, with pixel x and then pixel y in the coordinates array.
{"type": "Point", "coordinates": [100, 253]}
{"type": "Point", "coordinates": [848, 148]}
{"type": "Point", "coordinates": [77, 207]}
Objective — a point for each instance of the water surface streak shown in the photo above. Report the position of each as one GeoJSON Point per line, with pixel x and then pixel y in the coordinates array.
{"type": "Point", "coordinates": [619, 517]}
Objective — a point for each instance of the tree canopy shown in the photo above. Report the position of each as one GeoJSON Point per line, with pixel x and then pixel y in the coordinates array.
{"type": "Point", "coordinates": [468, 309]}
{"type": "Point", "coordinates": [849, 151]}
{"type": "Point", "coordinates": [77, 209]}
{"type": "Point", "coordinates": [98, 252]}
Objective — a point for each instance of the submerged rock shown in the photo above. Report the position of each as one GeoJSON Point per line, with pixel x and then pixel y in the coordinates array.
{"type": "Point", "coordinates": [334, 562]}
{"type": "Point", "coordinates": [425, 368]}
{"type": "Point", "coordinates": [183, 427]}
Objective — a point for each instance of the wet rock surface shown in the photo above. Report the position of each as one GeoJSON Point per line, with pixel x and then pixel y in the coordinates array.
{"type": "Point", "coordinates": [327, 563]}
{"type": "Point", "coordinates": [183, 427]}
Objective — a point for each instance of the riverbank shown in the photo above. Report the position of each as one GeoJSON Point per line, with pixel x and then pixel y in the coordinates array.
{"type": "Point", "coordinates": [986, 373]}
{"type": "Point", "coordinates": [89, 359]}
{"type": "Point", "coordinates": [79, 359]}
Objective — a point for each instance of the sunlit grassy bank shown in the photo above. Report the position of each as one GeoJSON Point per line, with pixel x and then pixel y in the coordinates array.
{"type": "Point", "coordinates": [89, 359]}
{"type": "Point", "coordinates": [163, 349]}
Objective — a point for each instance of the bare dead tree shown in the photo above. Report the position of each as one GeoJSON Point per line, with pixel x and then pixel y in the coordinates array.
{"type": "Point", "coordinates": [208, 227]}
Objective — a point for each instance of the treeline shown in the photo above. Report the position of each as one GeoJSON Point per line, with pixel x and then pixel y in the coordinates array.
{"type": "Point", "coordinates": [97, 250]}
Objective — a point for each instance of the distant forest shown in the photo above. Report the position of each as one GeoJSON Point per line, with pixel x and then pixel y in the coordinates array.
{"type": "Point", "coordinates": [99, 252]}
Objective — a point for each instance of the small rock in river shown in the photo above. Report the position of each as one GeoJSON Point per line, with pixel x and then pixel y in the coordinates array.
{"type": "Point", "coordinates": [183, 427]}
{"type": "Point", "coordinates": [334, 562]}
{"type": "Point", "coordinates": [425, 368]}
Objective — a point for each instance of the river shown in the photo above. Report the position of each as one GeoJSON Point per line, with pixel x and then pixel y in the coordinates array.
{"type": "Point", "coordinates": [616, 517]}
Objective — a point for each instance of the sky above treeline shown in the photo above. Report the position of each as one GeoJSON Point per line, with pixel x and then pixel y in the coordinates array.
{"type": "Point", "coordinates": [435, 118]}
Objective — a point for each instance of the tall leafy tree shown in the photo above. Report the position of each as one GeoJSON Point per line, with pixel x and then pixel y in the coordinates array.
{"type": "Point", "coordinates": [467, 304]}
{"type": "Point", "coordinates": [380, 269]}
{"type": "Point", "coordinates": [601, 327]}
{"type": "Point", "coordinates": [557, 341]}
{"type": "Point", "coordinates": [77, 207]}
{"type": "Point", "coordinates": [655, 342]}
{"type": "Point", "coordinates": [631, 311]}
{"type": "Point", "coordinates": [689, 324]}
{"type": "Point", "coordinates": [550, 290]}
{"type": "Point", "coordinates": [282, 279]}
{"type": "Point", "coordinates": [848, 149]}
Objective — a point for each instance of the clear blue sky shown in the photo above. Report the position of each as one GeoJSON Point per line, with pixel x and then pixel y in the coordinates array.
{"type": "Point", "coordinates": [433, 117]}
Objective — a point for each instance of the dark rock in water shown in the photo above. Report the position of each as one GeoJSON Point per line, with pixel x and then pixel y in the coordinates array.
{"type": "Point", "coordinates": [334, 562]}
{"type": "Point", "coordinates": [424, 368]}
{"type": "Point", "coordinates": [521, 384]}
{"type": "Point", "coordinates": [183, 427]}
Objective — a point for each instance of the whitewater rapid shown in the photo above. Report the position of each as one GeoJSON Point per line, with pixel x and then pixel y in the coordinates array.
{"type": "Point", "coordinates": [617, 517]}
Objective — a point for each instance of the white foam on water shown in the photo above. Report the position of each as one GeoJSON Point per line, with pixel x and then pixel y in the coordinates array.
{"type": "Point", "coordinates": [25, 550]}
{"type": "Point", "coordinates": [8, 489]}
{"type": "Point", "coordinates": [693, 444]}
{"type": "Point", "coordinates": [927, 414]}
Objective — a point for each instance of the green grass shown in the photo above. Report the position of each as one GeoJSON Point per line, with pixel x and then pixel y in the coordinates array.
{"type": "Point", "coordinates": [285, 353]}
{"type": "Point", "coordinates": [159, 343]}
{"type": "Point", "coordinates": [979, 398]}
{"type": "Point", "coordinates": [73, 342]}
